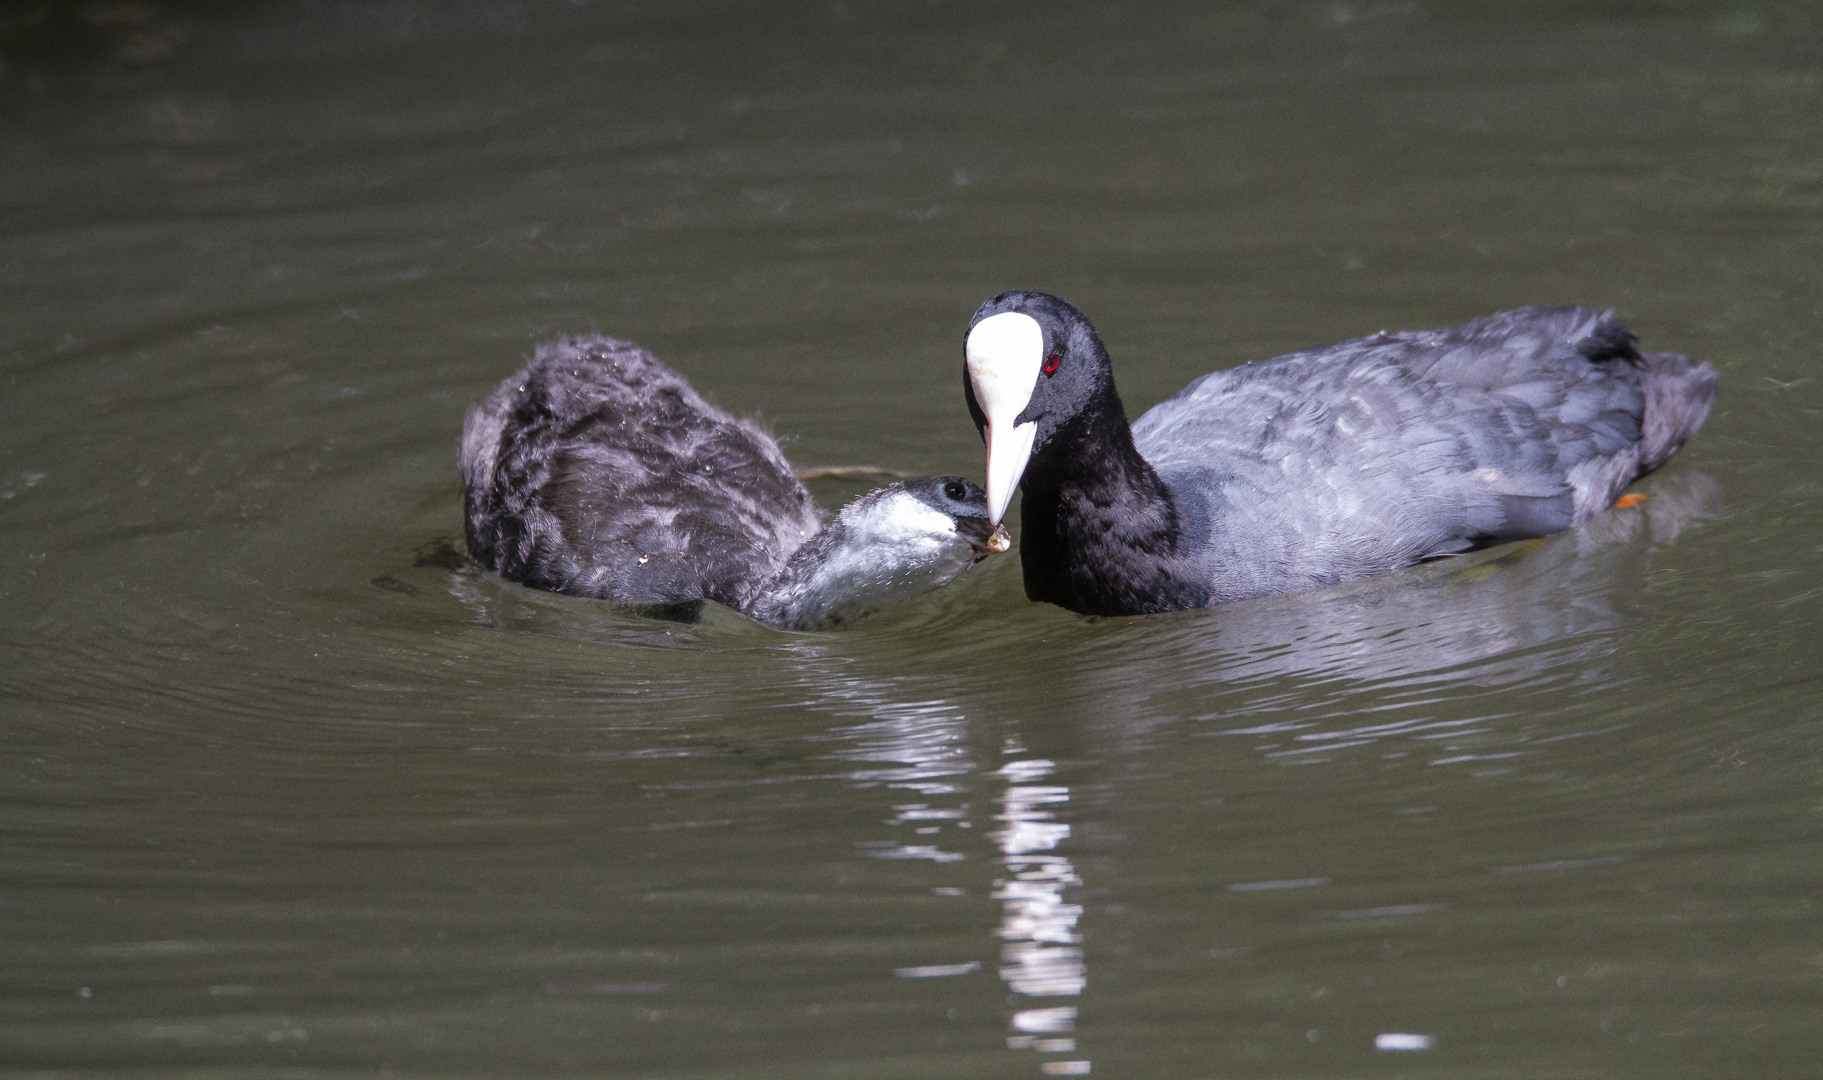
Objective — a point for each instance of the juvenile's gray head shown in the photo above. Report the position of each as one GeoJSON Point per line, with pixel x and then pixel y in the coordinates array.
{"type": "Point", "coordinates": [886, 546]}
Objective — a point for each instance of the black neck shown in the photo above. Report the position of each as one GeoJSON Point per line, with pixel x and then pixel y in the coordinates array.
{"type": "Point", "coordinates": [1098, 530]}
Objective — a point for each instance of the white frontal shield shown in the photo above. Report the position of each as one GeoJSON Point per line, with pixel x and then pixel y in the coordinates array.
{"type": "Point", "coordinates": [1005, 353]}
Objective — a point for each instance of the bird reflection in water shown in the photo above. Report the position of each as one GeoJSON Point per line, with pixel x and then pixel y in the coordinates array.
{"type": "Point", "coordinates": [1437, 650]}
{"type": "Point", "coordinates": [919, 746]}
{"type": "Point", "coordinates": [1424, 646]}
{"type": "Point", "coordinates": [1042, 952]}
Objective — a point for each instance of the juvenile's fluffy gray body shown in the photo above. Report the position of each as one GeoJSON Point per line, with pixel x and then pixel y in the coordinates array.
{"type": "Point", "coordinates": [597, 471]}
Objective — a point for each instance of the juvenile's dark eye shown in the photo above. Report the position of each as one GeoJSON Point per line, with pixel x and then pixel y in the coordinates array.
{"type": "Point", "coordinates": [955, 490]}
{"type": "Point", "coordinates": [1051, 362]}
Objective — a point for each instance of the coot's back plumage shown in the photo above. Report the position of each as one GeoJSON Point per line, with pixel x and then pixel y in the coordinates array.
{"type": "Point", "coordinates": [1327, 464]}
{"type": "Point", "coordinates": [598, 471]}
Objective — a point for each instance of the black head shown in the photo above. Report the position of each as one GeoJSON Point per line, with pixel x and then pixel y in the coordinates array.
{"type": "Point", "coordinates": [1033, 363]}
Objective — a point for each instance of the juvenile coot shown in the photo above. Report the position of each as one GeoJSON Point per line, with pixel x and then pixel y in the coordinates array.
{"type": "Point", "coordinates": [597, 471]}
{"type": "Point", "coordinates": [1315, 467]}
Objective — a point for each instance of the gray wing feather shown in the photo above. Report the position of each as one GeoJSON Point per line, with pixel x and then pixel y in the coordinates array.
{"type": "Point", "coordinates": [1403, 446]}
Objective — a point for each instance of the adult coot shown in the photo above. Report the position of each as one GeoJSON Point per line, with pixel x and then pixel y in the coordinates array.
{"type": "Point", "coordinates": [1315, 467]}
{"type": "Point", "coordinates": [597, 471]}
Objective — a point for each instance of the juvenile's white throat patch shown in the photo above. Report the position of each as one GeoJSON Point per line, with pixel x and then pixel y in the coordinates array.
{"type": "Point", "coordinates": [905, 519]}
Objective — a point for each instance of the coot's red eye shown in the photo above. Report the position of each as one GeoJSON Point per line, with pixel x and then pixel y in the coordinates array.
{"type": "Point", "coordinates": [1051, 362]}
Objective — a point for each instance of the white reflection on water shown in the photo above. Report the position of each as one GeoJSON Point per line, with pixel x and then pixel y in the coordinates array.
{"type": "Point", "coordinates": [938, 971]}
{"type": "Point", "coordinates": [921, 746]}
{"type": "Point", "coordinates": [1041, 955]}
{"type": "Point", "coordinates": [925, 738]}
{"type": "Point", "coordinates": [924, 742]}
{"type": "Point", "coordinates": [918, 746]}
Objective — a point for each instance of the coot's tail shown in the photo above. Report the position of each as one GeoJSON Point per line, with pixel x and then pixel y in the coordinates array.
{"type": "Point", "coordinates": [1679, 391]}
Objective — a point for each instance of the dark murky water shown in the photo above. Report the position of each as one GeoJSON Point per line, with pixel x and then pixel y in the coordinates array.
{"type": "Point", "coordinates": [291, 791]}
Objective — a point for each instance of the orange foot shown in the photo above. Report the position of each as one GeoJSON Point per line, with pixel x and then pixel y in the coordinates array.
{"type": "Point", "coordinates": [1630, 499]}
